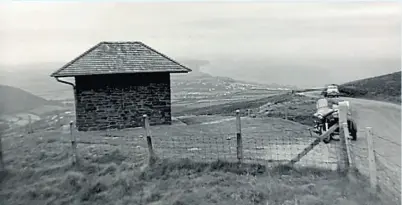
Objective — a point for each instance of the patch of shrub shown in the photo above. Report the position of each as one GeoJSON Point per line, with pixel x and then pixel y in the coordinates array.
{"type": "Point", "coordinates": [352, 91]}
{"type": "Point", "coordinates": [384, 88]}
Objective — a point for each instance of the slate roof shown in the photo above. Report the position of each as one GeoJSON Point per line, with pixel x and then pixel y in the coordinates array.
{"type": "Point", "coordinates": [119, 57]}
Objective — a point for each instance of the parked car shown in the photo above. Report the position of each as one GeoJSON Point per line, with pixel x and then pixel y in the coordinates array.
{"type": "Point", "coordinates": [331, 91]}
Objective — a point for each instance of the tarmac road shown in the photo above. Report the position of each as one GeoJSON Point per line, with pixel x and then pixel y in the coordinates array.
{"type": "Point", "coordinates": [385, 120]}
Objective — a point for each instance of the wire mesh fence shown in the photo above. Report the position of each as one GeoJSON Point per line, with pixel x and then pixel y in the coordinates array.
{"type": "Point", "coordinates": [263, 142]}
{"type": "Point", "coordinates": [388, 180]}
{"type": "Point", "coordinates": [359, 153]}
{"type": "Point", "coordinates": [256, 146]}
{"type": "Point", "coordinates": [387, 169]}
{"type": "Point", "coordinates": [49, 151]}
{"type": "Point", "coordinates": [387, 152]}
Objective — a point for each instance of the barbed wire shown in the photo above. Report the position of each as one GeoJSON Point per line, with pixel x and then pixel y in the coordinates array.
{"type": "Point", "coordinates": [357, 147]}
{"type": "Point", "coordinates": [388, 180]}
{"type": "Point", "coordinates": [358, 155]}
{"type": "Point", "coordinates": [388, 140]}
{"type": "Point", "coordinates": [385, 159]}
{"type": "Point", "coordinates": [381, 137]}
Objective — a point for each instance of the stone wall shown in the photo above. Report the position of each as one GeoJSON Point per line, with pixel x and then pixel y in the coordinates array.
{"type": "Point", "coordinates": [119, 101]}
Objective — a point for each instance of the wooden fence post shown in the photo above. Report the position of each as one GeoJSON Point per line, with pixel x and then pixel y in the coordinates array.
{"type": "Point", "coordinates": [2, 165]}
{"type": "Point", "coordinates": [239, 139]}
{"type": "Point", "coordinates": [152, 157]}
{"type": "Point", "coordinates": [30, 124]}
{"type": "Point", "coordinates": [371, 159]}
{"type": "Point", "coordinates": [73, 144]}
{"type": "Point", "coordinates": [346, 109]}
{"type": "Point", "coordinates": [286, 113]}
{"type": "Point", "coordinates": [344, 163]}
{"type": "Point", "coordinates": [58, 123]}
{"type": "Point", "coordinates": [346, 135]}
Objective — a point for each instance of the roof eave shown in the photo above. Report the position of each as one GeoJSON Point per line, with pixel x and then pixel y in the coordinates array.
{"type": "Point", "coordinates": [55, 75]}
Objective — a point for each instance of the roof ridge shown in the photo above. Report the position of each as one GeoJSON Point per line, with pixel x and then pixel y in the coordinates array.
{"type": "Point", "coordinates": [77, 58]}
{"type": "Point", "coordinates": [118, 42]}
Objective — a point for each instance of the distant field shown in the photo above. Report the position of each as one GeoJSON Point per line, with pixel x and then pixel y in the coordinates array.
{"type": "Point", "coordinates": [295, 107]}
{"type": "Point", "coordinates": [188, 106]}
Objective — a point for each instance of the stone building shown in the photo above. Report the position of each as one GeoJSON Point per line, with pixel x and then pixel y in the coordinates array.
{"type": "Point", "coordinates": [117, 82]}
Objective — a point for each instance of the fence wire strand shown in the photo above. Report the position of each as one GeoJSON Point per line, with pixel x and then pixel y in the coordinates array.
{"type": "Point", "coordinates": [387, 140]}
{"type": "Point", "coordinates": [389, 181]}
{"type": "Point", "coordinates": [387, 171]}
{"type": "Point", "coordinates": [271, 144]}
{"type": "Point", "coordinates": [257, 147]}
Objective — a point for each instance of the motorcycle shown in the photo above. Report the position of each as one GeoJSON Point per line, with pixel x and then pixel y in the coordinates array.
{"type": "Point", "coordinates": [323, 121]}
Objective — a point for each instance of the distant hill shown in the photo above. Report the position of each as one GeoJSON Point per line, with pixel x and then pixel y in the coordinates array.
{"type": "Point", "coordinates": [199, 74]}
{"type": "Point", "coordinates": [14, 100]}
{"type": "Point", "coordinates": [37, 82]}
{"type": "Point", "coordinates": [385, 87]}
{"type": "Point", "coordinates": [41, 84]}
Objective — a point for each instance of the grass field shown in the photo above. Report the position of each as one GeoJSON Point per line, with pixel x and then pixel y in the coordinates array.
{"type": "Point", "coordinates": [111, 168]}
{"type": "Point", "coordinates": [112, 164]}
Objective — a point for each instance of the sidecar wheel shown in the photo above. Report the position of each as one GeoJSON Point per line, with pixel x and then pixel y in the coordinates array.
{"type": "Point", "coordinates": [354, 135]}
{"type": "Point", "coordinates": [353, 129]}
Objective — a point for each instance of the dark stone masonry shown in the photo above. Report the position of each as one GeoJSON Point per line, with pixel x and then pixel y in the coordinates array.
{"type": "Point", "coordinates": [116, 83]}
{"type": "Point", "coordinates": [118, 101]}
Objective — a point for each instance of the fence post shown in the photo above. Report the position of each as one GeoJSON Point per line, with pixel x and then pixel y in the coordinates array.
{"type": "Point", "coordinates": [73, 144]}
{"type": "Point", "coordinates": [343, 136]}
{"type": "Point", "coordinates": [151, 158]}
{"type": "Point", "coordinates": [239, 139]}
{"type": "Point", "coordinates": [249, 112]}
{"type": "Point", "coordinates": [58, 121]}
{"type": "Point", "coordinates": [286, 113]}
{"type": "Point", "coordinates": [351, 160]}
{"type": "Point", "coordinates": [2, 166]}
{"type": "Point", "coordinates": [371, 159]}
{"type": "Point", "coordinates": [30, 124]}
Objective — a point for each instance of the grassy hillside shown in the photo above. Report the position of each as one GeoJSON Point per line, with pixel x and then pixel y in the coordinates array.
{"type": "Point", "coordinates": [14, 100]}
{"type": "Point", "coordinates": [112, 168]}
{"type": "Point", "coordinates": [385, 87]}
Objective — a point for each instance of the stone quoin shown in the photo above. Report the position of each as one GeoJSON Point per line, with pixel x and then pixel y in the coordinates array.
{"type": "Point", "coordinates": [116, 83]}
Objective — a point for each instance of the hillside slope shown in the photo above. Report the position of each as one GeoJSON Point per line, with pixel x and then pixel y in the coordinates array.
{"type": "Point", "coordinates": [385, 88]}
{"type": "Point", "coordinates": [14, 100]}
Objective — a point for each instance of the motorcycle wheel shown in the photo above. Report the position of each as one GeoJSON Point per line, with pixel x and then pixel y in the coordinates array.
{"type": "Point", "coordinates": [354, 136]}
{"type": "Point", "coordinates": [327, 140]}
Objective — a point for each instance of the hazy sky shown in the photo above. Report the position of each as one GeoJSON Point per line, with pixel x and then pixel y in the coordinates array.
{"type": "Point", "coordinates": [34, 32]}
